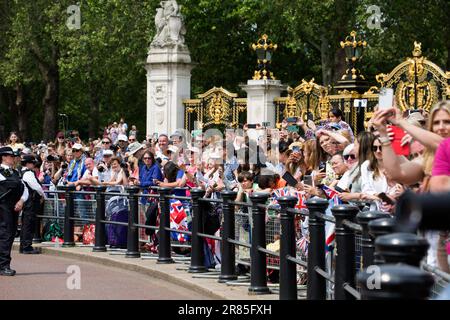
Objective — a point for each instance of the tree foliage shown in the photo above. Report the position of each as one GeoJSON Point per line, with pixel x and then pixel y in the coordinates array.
{"type": "Point", "coordinates": [96, 74]}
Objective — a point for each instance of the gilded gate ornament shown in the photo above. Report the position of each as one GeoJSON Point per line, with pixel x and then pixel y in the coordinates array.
{"type": "Point", "coordinates": [218, 109]}
{"type": "Point", "coordinates": [216, 106]}
{"type": "Point", "coordinates": [418, 83]}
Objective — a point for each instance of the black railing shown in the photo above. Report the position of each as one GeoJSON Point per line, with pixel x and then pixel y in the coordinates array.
{"type": "Point", "coordinates": [380, 247]}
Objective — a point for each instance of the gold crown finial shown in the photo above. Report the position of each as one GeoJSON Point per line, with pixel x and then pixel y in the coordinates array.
{"type": "Point", "coordinates": [417, 52]}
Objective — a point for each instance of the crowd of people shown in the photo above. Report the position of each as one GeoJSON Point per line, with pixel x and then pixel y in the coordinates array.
{"type": "Point", "coordinates": [397, 152]}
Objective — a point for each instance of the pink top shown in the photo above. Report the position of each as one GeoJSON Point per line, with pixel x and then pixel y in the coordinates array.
{"type": "Point", "coordinates": [441, 166]}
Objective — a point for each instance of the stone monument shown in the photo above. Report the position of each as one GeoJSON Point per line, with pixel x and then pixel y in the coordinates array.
{"type": "Point", "coordinates": [168, 71]}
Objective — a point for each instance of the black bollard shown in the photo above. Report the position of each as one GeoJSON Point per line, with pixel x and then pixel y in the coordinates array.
{"type": "Point", "coordinates": [345, 251]}
{"type": "Point", "coordinates": [258, 268]}
{"type": "Point", "coordinates": [317, 286]}
{"type": "Point", "coordinates": [68, 214]}
{"type": "Point", "coordinates": [367, 243]}
{"type": "Point", "coordinates": [133, 218]}
{"type": "Point", "coordinates": [197, 253]}
{"type": "Point", "coordinates": [100, 228]}
{"type": "Point", "coordinates": [426, 211]}
{"type": "Point", "coordinates": [288, 269]}
{"type": "Point", "coordinates": [405, 248]}
{"type": "Point", "coordinates": [378, 228]}
{"type": "Point", "coordinates": [394, 282]}
{"type": "Point", "coordinates": [228, 265]}
{"type": "Point", "coordinates": [164, 251]}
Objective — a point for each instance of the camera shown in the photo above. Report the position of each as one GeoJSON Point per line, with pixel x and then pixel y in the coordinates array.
{"type": "Point", "coordinates": [114, 148]}
{"type": "Point", "coordinates": [123, 165]}
{"type": "Point", "coordinates": [53, 158]}
{"type": "Point", "coordinates": [65, 165]}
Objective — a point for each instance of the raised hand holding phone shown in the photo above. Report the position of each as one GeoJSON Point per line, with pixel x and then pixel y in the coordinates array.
{"type": "Point", "coordinates": [386, 98]}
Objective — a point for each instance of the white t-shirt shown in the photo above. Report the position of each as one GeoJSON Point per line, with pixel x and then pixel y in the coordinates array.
{"type": "Point", "coordinates": [372, 186]}
{"type": "Point", "coordinates": [87, 173]}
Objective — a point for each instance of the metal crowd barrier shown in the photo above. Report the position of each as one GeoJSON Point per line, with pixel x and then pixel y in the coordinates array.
{"type": "Point", "coordinates": [249, 236]}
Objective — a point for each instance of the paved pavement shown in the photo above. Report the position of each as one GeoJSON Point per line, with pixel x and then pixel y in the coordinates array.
{"type": "Point", "coordinates": [147, 280]}
{"type": "Point", "coordinates": [44, 277]}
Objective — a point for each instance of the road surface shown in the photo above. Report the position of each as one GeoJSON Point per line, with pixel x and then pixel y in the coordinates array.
{"type": "Point", "coordinates": [44, 277]}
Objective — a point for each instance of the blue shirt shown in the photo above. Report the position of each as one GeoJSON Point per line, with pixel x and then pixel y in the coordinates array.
{"type": "Point", "coordinates": [229, 168]}
{"type": "Point", "coordinates": [146, 175]}
{"type": "Point", "coordinates": [76, 169]}
{"type": "Point", "coordinates": [181, 192]}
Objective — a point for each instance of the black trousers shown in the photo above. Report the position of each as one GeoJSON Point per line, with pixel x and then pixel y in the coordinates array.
{"type": "Point", "coordinates": [30, 210]}
{"type": "Point", "coordinates": [8, 229]}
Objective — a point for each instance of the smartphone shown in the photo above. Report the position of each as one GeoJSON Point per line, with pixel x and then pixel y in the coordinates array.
{"type": "Point", "coordinates": [399, 133]}
{"type": "Point", "coordinates": [292, 119]}
{"type": "Point", "coordinates": [335, 126]}
{"type": "Point", "coordinates": [155, 137]}
{"type": "Point", "coordinates": [292, 128]}
{"type": "Point", "coordinates": [266, 124]}
{"type": "Point", "coordinates": [383, 196]}
{"type": "Point", "coordinates": [307, 179]}
{"type": "Point", "coordinates": [289, 178]}
{"type": "Point", "coordinates": [338, 189]}
{"type": "Point", "coordinates": [296, 149]}
{"type": "Point", "coordinates": [386, 98]}
{"type": "Point", "coordinates": [322, 165]}
{"type": "Point", "coordinates": [251, 125]}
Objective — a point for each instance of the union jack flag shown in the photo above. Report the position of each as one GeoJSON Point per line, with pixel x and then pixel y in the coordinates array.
{"type": "Point", "coordinates": [332, 195]}
{"type": "Point", "coordinates": [333, 199]}
{"type": "Point", "coordinates": [178, 220]}
{"type": "Point", "coordinates": [289, 192]}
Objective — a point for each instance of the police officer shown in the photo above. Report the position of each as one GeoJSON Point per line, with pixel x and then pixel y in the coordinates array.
{"type": "Point", "coordinates": [32, 206]}
{"type": "Point", "coordinates": [13, 195]}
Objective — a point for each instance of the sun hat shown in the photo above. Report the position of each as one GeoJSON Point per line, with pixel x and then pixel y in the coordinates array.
{"type": "Point", "coordinates": [134, 147]}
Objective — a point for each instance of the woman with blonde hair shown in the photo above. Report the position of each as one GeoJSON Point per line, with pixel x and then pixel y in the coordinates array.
{"type": "Point", "coordinates": [419, 169]}
{"type": "Point", "coordinates": [295, 164]}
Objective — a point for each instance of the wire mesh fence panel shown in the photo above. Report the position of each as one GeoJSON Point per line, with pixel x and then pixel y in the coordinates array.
{"type": "Point", "coordinates": [143, 237]}
{"type": "Point", "coordinates": [330, 266]}
{"type": "Point", "coordinates": [84, 209]}
{"type": "Point", "coordinates": [301, 246]}
{"type": "Point", "coordinates": [242, 225]}
{"type": "Point", "coordinates": [54, 207]}
{"type": "Point", "coordinates": [439, 285]}
{"type": "Point", "coordinates": [358, 252]}
{"type": "Point", "coordinates": [273, 231]}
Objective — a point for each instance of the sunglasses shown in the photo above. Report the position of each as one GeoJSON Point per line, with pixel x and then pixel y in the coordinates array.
{"type": "Point", "coordinates": [105, 142]}
{"type": "Point", "coordinates": [131, 140]}
{"type": "Point", "coordinates": [349, 156]}
{"type": "Point", "coordinates": [75, 150]}
{"type": "Point", "coordinates": [377, 148]}
{"type": "Point", "coordinates": [146, 158]}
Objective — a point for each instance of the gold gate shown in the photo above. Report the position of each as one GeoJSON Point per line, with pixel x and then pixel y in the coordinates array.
{"type": "Point", "coordinates": [306, 98]}
{"type": "Point", "coordinates": [417, 82]}
{"type": "Point", "coordinates": [215, 108]}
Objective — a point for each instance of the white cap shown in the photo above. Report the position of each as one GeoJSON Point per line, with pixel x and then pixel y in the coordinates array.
{"type": "Point", "coordinates": [107, 152]}
{"type": "Point", "coordinates": [173, 148]}
{"type": "Point", "coordinates": [122, 137]}
{"type": "Point", "coordinates": [348, 149]}
{"type": "Point", "coordinates": [193, 149]}
{"type": "Point", "coordinates": [77, 146]}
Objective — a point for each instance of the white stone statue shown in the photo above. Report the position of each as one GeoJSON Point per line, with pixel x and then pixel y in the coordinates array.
{"type": "Point", "coordinates": [170, 29]}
